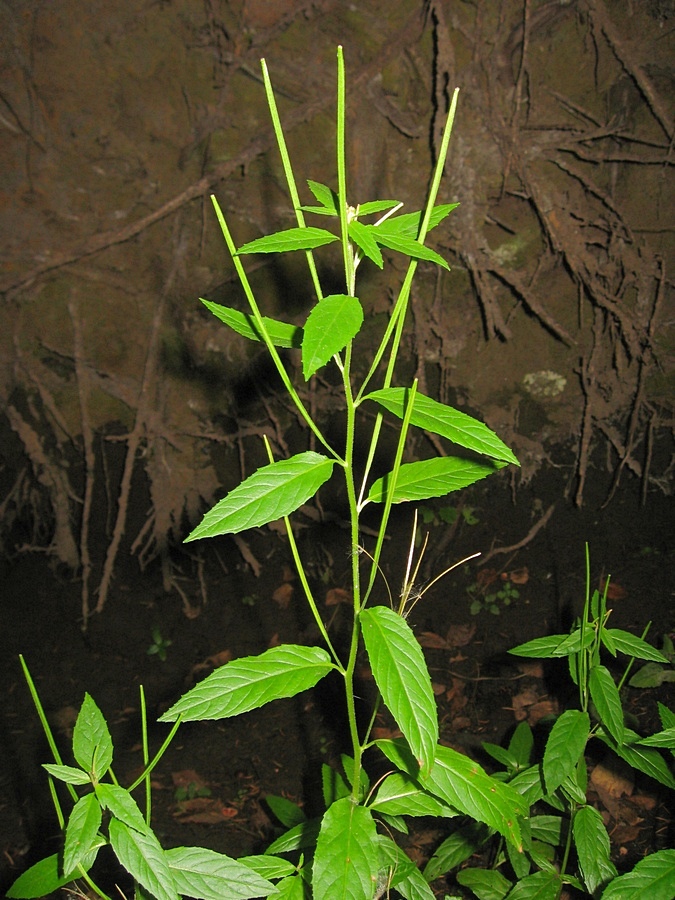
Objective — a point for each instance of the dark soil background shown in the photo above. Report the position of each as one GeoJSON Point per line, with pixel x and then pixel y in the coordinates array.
{"type": "Point", "coordinates": [126, 410]}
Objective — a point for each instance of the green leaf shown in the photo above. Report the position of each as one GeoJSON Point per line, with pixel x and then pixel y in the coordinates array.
{"type": "Point", "coordinates": [45, 877]}
{"type": "Point", "coordinates": [400, 795]}
{"type": "Point", "coordinates": [644, 759]}
{"type": "Point", "coordinates": [269, 494]}
{"type": "Point", "coordinates": [445, 421]}
{"type": "Point", "coordinates": [431, 478]}
{"type": "Point", "coordinates": [292, 888]}
{"type": "Point", "coordinates": [540, 648]}
{"type": "Point", "coordinates": [539, 886]}
{"type": "Point", "coordinates": [325, 196]}
{"type": "Point", "coordinates": [565, 744]}
{"type": "Point", "coordinates": [122, 805]}
{"type": "Point", "coordinates": [282, 334]}
{"type": "Point", "coordinates": [302, 837]}
{"type": "Point", "coordinates": [364, 240]}
{"type": "Point", "coordinates": [142, 856]}
{"type": "Point", "coordinates": [394, 864]}
{"type": "Point", "coordinates": [653, 875]}
{"type": "Point", "coordinates": [464, 785]}
{"type": "Point", "coordinates": [529, 784]}
{"type": "Point", "coordinates": [376, 206]}
{"type": "Point", "coordinates": [521, 744]}
{"type": "Point", "coordinates": [305, 238]}
{"type": "Point", "coordinates": [413, 887]}
{"type": "Point", "coordinates": [287, 812]}
{"type": "Point", "coordinates": [333, 785]}
{"type": "Point", "coordinates": [409, 246]}
{"type": "Point", "coordinates": [625, 642]}
{"type": "Point", "coordinates": [81, 832]}
{"type": "Point", "coordinates": [408, 224]}
{"type": "Point", "coordinates": [486, 884]}
{"type": "Point", "coordinates": [346, 862]}
{"type": "Point", "coordinates": [250, 682]}
{"type": "Point", "coordinates": [268, 866]}
{"type": "Point", "coordinates": [207, 875]}
{"type": "Point", "coordinates": [502, 756]}
{"type": "Point", "coordinates": [547, 829]}
{"type": "Point", "coordinates": [330, 326]}
{"type": "Point", "coordinates": [401, 675]}
{"type": "Point", "coordinates": [92, 744]}
{"type": "Point", "coordinates": [651, 675]}
{"type": "Point", "coordinates": [605, 696]}
{"type": "Point", "coordinates": [69, 774]}
{"type": "Point", "coordinates": [456, 849]}
{"type": "Point", "coordinates": [592, 843]}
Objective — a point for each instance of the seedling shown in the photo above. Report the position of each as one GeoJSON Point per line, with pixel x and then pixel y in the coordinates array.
{"type": "Point", "coordinates": [159, 644]}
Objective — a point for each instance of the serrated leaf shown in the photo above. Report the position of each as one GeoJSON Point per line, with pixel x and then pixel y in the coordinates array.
{"type": "Point", "coordinates": [207, 875]}
{"type": "Point", "coordinates": [529, 785]}
{"type": "Point", "coordinates": [268, 866]}
{"type": "Point", "coordinates": [330, 326]}
{"type": "Point", "coordinates": [408, 224]}
{"type": "Point", "coordinates": [456, 426]}
{"type": "Point", "coordinates": [547, 829]}
{"type": "Point", "coordinates": [305, 238]}
{"type": "Point", "coordinates": [81, 831]}
{"type": "Point", "coordinates": [486, 884]}
{"type": "Point", "coordinates": [325, 196]}
{"type": "Point", "coordinates": [92, 744]}
{"type": "Point", "coordinates": [287, 812]}
{"type": "Point", "coordinates": [400, 795]}
{"type": "Point", "coordinates": [664, 739]}
{"type": "Point", "coordinates": [503, 756]}
{"type": "Point", "coordinates": [464, 785]}
{"type": "Point", "coordinates": [565, 744]}
{"type": "Point", "coordinates": [122, 805]}
{"type": "Point", "coordinates": [401, 674]}
{"type": "Point", "coordinates": [644, 759]}
{"type": "Point", "coordinates": [302, 837]}
{"type": "Point", "coordinates": [69, 774]}
{"type": "Point", "coordinates": [414, 887]}
{"type": "Point", "coordinates": [593, 848]}
{"type": "Point", "coordinates": [45, 877]}
{"type": "Point", "coordinates": [628, 643]}
{"type": "Point", "coordinates": [457, 848]}
{"type": "Point", "coordinates": [654, 875]}
{"type": "Point", "coordinates": [282, 334]}
{"type": "Point", "coordinates": [346, 862]}
{"type": "Point", "coordinates": [407, 245]}
{"type": "Point", "coordinates": [605, 696]}
{"type": "Point", "coordinates": [269, 494]}
{"type": "Point", "coordinates": [250, 682]}
{"type": "Point", "coordinates": [539, 886]}
{"type": "Point", "coordinates": [333, 785]}
{"type": "Point", "coordinates": [431, 478]}
{"type": "Point", "coordinates": [142, 856]}
{"type": "Point", "coordinates": [521, 744]}
{"type": "Point", "coordinates": [540, 648]}
{"type": "Point", "coordinates": [294, 887]}
{"type": "Point", "coordinates": [376, 206]}
{"type": "Point", "coordinates": [366, 243]}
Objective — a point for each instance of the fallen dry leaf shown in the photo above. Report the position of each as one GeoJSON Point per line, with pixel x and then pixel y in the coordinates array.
{"type": "Point", "coordinates": [528, 705]}
{"type": "Point", "coordinates": [614, 589]}
{"type": "Point", "coordinates": [283, 595]}
{"type": "Point", "coordinates": [204, 811]}
{"type": "Point", "coordinates": [432, 641]}
{"type": "Point", "coordinates": [611, 782]}
{"type": "Point", "coordinates": [336, 596]}
{"type": "Point", "coordinates": [211, 662]}
{"type": "Point", "coordinates": [461, 635]}
{"type": "Point", "coordinates": [438, 689]}
{"type": "Point", "coordinates": [532, 667]}
{"type": "Point", "coordinates": [517, 576]}
{"type": "Point", "coordinates": [185, 778]}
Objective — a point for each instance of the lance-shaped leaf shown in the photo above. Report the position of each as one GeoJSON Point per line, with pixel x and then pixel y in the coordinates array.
{"type": "Point", "coordinates": [142, 856]}
{"type": "Point", "coordinates": [122, 805]}
{"type": "Point", "coordinates": [202, 873]}
{"type": "Point", "coordinates": [81, 832]}
{"type": "Point", "coordinates": [364, 240]}
{"type": "Point", "coordinates": [346, 862]}
{"type": "Point", "coordinates": [464, 785]}
{"type": "Point", "coordinates": [69, 774]}
{"type": "Point", "coordinates": [400, 795]}
{"type": "Point", "coordinates": [445, 421]}
{"type": "Point", "coordinates": [326, 197]}
{"type": "Point", "coordinates": [306, 238]}
{"type": "Point", "coordinates": [375, 206]}
{"type": "Point", "coordinates": [408, 224]}
{"type": "Point", "coordinates": [605, 695]}
{"type": "Point", "coordinates": [406, 245]}
{"type": "Point", "coordinates": [401, 675]}
{"type": "Point", "coordinates": [625, 642]}
{"type": "Point", "coordinates": [92, 744]}
{"type": "Point", "coordinates": [653, 876]}
{"type": "Point", "coordinates": [644, 759]}
{"type": "Point", "coordinates": [273, 491]}
{"type": "Point", "coordinates": [250, 682]}
{"type": "Point", "coordinates": [282, 334]}
{"type": "Point", "coordinates": [565, 744]}
{"type": "Point", "coordinates": [330, 326]}
{"type": "Point", "coordinates": [592, 843]}
{"type": "Point", "coordinates": [46, 877]}
{"type": "Point", "coordinates": [431, 478]}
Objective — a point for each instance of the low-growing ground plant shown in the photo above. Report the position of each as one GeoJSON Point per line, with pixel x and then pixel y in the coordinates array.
{"type": "Point", "coordinates": [565, 841]}
{"type": "Point", "coordinates": [348, 851]}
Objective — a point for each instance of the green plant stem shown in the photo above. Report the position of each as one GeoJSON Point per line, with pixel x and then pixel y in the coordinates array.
{"type": "Point", "coordinates": [347, 256]}
{"type": "Point", "coordinates": [146, 756]}
{"type": "Point", "coordinates": [156, 758]}
{"type": "Point", "coordinates": [288, 172]}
